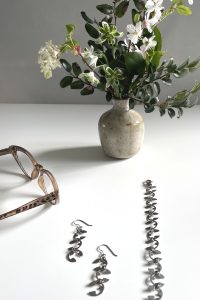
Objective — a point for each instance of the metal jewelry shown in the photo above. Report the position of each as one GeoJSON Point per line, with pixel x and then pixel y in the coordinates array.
{"type": "Point", "coordinates": [76, 242]}
{"type": "Point", "coordinates": [154, 286]}
{"type": "Point", "coordinates": [97, 279]}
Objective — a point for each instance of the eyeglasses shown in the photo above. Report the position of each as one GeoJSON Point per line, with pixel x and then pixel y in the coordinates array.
{"type": "Point", "coordinates": [32, 170]}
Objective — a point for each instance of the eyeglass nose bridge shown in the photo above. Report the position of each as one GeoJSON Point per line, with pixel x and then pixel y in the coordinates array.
{"type": "Point", "coordinates": [41, 180]}
{"type": "Point", "coordinates": [36, 171]}
{"type": "Point", "coordinates": [39, 167]}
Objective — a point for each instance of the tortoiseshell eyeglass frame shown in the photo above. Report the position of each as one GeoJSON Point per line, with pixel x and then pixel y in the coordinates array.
{"type": "Point", "coordinates": [37, 172]}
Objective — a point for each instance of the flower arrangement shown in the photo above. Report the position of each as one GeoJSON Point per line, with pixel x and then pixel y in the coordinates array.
{"type": "Point", "coordinates": [125, 65]}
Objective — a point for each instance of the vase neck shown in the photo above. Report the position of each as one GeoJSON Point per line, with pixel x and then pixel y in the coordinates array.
{"type": "Point", "coordinates": [121, 105]}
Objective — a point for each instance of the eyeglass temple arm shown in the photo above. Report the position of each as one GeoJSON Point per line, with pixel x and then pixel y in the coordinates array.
{"type": "Point", "coordinates": [4, 151]}
{"type": "Point", "coordinates": [32, 204]}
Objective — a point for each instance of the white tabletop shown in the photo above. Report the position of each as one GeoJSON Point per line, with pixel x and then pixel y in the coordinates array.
{"type": "Point", "coordinates": [104, 192]}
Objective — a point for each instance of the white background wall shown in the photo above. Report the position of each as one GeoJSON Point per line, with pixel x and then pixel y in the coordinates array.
{"type": "Point", "coordinates": [25, 25]}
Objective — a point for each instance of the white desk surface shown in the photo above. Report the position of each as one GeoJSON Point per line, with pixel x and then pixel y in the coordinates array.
{"type": "Point", "coordinates": [104, 192]}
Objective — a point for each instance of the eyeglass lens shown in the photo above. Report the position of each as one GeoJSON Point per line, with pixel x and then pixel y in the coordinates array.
{"type": "Point", "coordinates": [25, 162]}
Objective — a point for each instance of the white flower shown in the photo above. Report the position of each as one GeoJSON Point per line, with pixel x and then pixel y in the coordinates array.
{"type": "Point", "coordinates": [148, 44]}
{"type": "Point", "coordinates": [147, 24]}
{"type": "Point", "coordinates": [134, 32]}
{"type": "Point", "coordinates": [89, 57]}
{"type": "Point", "coordinates": [139, 51]}
{"type": "Point", "coordinates": [48, 59]}
{"type": "Point", "coordinates": [108, 33]}
{"type": "Point", "coordinates": [152, 5]}
{"type": "Point", "coordinates": [128, 45]}
{"type": "Point", "coordinates": [152, 19]}
{"type": "Point", "coordinates": [89, 77]}
{"type": "Point", "coordinates": [153, 13]}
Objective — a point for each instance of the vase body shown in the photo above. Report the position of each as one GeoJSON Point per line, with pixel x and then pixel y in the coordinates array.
{"type": "Point", "coordinates": [121, 130]}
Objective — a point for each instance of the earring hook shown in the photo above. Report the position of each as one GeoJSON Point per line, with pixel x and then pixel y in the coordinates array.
{"type": "Point", "coordinates": [75, 224]}
{"type": "Point", "coordinates": [101, 251]}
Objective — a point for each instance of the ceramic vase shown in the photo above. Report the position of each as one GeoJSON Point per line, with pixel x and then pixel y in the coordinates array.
{"type": "Point", "coordinates": [121, 130]}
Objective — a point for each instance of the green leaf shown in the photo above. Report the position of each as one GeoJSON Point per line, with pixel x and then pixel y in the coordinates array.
{"type": "Point", "coordinates": [180, 112]}
{"type": "Point", "coordinates": [76, 69]}
{"type": "Point", "coordinates": [70, 43]}
{"type": "Point", "coordinates": [121, 9]}
{"type": "Point", "coordinates": [147, 97]}
{"type": "Point", "coordinates": [136, 18]}
{"type": "Point", "coordinates": [140, 93]}
{"type": "Point", "coordinates": [156, 58]}
{"type": "Point", "coordinates": [116, 64]}
{"type": "Point", "coordinates": [195, 88]}
{"type": "Point", "coordinates": [152, 77]}
{"type": "Point", "coordinates": [134, 13]}
{"type": "Point", "coordinates": [93, 32]}
{"type": "Point", "coordinates": [153, 101]}
{"type": "Point", "coordinates": [86, 18]}
{"type": "Point", "coordinates": [70, 28]}
{"type": "Point", "coordinates": [78, 84]}
{"type": "Point", "coordinates": [65, 47]}
{"type": "Point", "coordinates": [96, 46]}
{"type": "Point", "coordinates": [184, 64]}
{"type": "Point", "coordinates": [180, 96]}
{"type": "Point", "coordinates": [139, 4]}
{"type": "Point", "coordinates": [170, 63]}
{"type": "Point", "coordinates": [162, 112]}
{"type": "Point", "coordinates": [101, 86]}
{"type": "Point", "coordinates": [171, 112]}
{"type": "Point", "coordinates": [158, 39]}
{"type": "Point", "coordinates": [135, 63]}
{"type": "Point", "coordinates": [66, 65]}
{"type": "Point", "coordinates": [66, 81]}
{"type": "Point", "coordinates": [105, 9]}
{"type": "Point", "coordinates": [150, 90]}
{"type": "Point", "coordinates": [167, 80]}
{"type": "Point", "coordinates": [132, 103]}
{"type": "Point", "coordinates": [177, 74]}
{"type": "Point", "coordinates": [114, 50]}
{"type": "Point", "coordinates": [157, 88]}
{"type": "Point", "coordinates": [88, 90]}
{"type": "Point", "coordinates": [194, 63]}
{"type": "Point", "coordinates": [172, 68]}
{"type": "Point", "coordinates": [183, 72]}
{"type": "Point", "coordinates": [149, 108]}
{"type": "Point", "coordinates": [177, 1]}
{"type": "Point", "coordinates": [183, 10]}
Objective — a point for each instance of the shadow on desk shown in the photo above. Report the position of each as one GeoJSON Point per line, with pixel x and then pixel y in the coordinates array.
{"type": "Point", "coordinates": [15, 185]}
{"type": "Point", "coordinates": [72, 159]}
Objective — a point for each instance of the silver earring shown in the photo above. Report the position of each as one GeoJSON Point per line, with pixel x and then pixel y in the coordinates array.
{"type": "Point", "coordinates": [77, 241]}
{"type": "Point", "coordinates": [99, 271]}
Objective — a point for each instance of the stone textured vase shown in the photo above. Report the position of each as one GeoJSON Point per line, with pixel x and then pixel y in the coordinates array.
{"type": "Point", "coordinates": [121, 130]}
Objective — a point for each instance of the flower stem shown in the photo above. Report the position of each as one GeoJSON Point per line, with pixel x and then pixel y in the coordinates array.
{"type": "Point", "coordinates": [143, 83]}
{"type": "Point", "coordinates": [166, 13]}
{"type": "Point", "coordinates": [129, 46]}
{"type": "Point", "coordinates": [115, 17]}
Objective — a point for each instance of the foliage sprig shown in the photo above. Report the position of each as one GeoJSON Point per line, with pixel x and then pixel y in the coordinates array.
{"type": "Point", "coordinates": [125, 64]}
